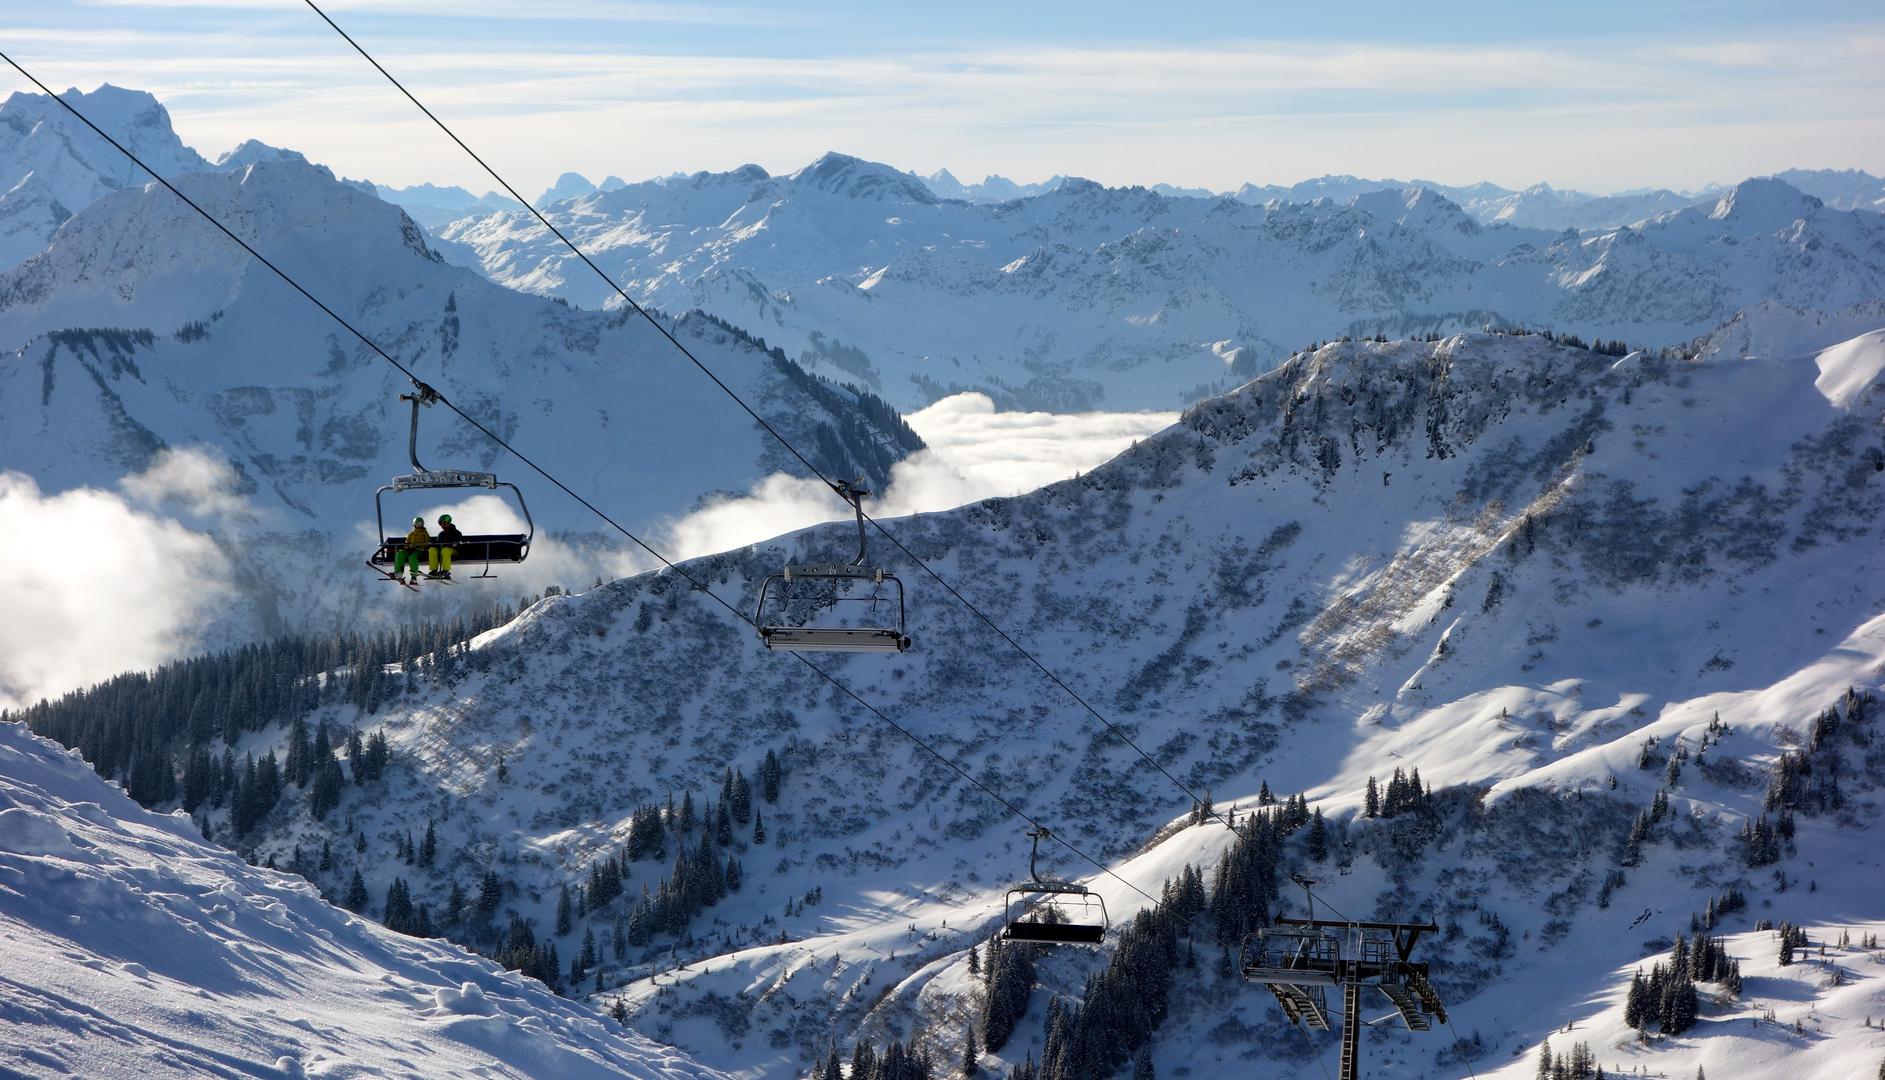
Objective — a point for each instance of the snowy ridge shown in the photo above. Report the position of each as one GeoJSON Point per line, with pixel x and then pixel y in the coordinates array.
{"type": "Point", "coordinates": [1500, 562]}
{"type": "Point", "coordinates": [51, 166]}
{"type": "Point", "coordinates": [134, 948]}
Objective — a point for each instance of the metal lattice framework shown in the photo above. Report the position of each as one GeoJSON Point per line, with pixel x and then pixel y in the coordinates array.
{"type": "Point", "coordinates": [1300, 960]}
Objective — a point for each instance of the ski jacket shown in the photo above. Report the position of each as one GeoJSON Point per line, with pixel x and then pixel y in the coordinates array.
{"type": "Point", "coordinates": [449, 536]}
{"type": "Point", "coordinates": [418, 538]}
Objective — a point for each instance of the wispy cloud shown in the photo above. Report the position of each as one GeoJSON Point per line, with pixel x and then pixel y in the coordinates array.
{"type": "Point", "coordinates": [583, 10]}
{"type": "Point", "coordinates": [1600, 112]}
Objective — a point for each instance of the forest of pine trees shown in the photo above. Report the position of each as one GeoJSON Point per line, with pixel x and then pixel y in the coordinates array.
{"type": "Point", "coordinates": [1666, 997]}
{"type": "Point", "coordinates": [897, 1062]}
{"type": "Point", "coordinates": [156, 732]}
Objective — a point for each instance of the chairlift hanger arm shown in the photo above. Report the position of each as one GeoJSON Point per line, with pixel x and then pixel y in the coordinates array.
{"type": "Point", "coordinates": [422, 394]}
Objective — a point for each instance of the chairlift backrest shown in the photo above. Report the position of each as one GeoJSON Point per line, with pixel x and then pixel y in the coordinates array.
{"type": "Point", "coordinates": [773, 615]}
{"type": "Point", "coordinates": [1053, 912]}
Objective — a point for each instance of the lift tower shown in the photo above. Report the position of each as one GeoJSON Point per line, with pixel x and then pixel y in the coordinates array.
{"type": "Point", "coordinates": [1300, 960]}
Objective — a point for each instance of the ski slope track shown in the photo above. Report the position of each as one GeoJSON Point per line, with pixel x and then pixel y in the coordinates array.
{"type": "Point", "coordinates": [134, 948]}
{"type": "Point", "coordinates": [1555, 582]}
{"type": "Point", "coordinates": [141, 330]}
{"type": "Point", "coordinates": [1081, 296]}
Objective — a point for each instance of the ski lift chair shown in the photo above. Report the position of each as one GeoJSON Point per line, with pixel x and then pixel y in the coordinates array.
{"type": "Point", "coordinates": [1294, 954]}
{"type": "Point", "coordinates": [777, 597]}
{"type": "Point", "coordinates": [1053, 912]}
{"type": "Point", "coordinates": [486, 548]}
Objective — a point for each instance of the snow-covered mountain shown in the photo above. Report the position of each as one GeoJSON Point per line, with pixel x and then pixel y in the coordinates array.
{"type": "Point", "coordinates": [1540, 206]}
{"type": "Point", "coordinates": [142, 331]}
{"type": "Point", "coordinates": [1844, 189]}
{"type": "Point", "coordinates": [435, 207]}
{"type": "Point", "coordinates": [51, 167]}
{"type": "Point", "coordinates": [993, 188]}
{"type": "Point", "coordinates": [1089, 296]}
{"type": "Point", "coordinates": [1543, 207]}
{"type": "Point", "coordinates": [134, 948]}
{"type": "Point", "coordinates": [1537, 577]}
{"type": "Point", "coordinates": [573, 185]}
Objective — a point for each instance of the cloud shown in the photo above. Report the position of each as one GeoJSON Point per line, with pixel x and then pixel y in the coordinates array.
{"type": "Point", "coordinates": [975, 453]}
{"type": "Point", "coordinates": [198, 480]}
{"type": "Point", "coordinates": [1006, 453]}
{"type": "Point", "coordinates": [1613, 110]}
{"type": "Point", "coordinates": [93, 585]}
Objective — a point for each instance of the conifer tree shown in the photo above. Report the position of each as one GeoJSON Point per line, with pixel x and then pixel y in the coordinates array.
{"type": "Point", "coordinates": [490, 894]}
{"type": "Point", "coordinates": [564, 912]}
{"type": "Point", "coordinates": [428, 847]}
{"type": "Point", "coordinates": [356, 897]}
{"type": "Point", "coordinates": [740, 797]}
{"type": "Point", "coordinates": [1371, 805]}
{"type": "Point", "coordinates": [1633, 1004]}
{"type": "Point", "coordinates": [971, 1055]}
{"type": "Point", "coordinates": [759, 827]}
{"type": "Point", "coordinates": [1316, 845]}
{"type": "Point", "coordinates": [769, 777]}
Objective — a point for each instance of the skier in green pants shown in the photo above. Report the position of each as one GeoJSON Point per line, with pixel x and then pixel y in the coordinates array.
{"type": "Point", "coordinates": [417, 543]}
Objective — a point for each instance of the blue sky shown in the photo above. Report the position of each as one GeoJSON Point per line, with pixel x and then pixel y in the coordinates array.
{"type": "Point", "coordinates": [1595, 95]}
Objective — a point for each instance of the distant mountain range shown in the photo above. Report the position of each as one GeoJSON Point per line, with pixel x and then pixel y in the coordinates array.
{"type": "Point", "coordinates": [1082, 296]}
{"type": "Point", "coordinates": [1540, 205]}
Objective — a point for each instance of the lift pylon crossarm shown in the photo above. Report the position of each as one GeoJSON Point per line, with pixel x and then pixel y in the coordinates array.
{"type": "Point", "coordinates": [1299, 960]}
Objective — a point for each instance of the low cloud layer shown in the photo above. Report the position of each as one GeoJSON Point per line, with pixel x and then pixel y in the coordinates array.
{"type": "Point", "coordinates": [96, 584]}
{"type": "Point", "coordinates": [102, 581]}
{"type": "Point", "coordinates": [975, 453]}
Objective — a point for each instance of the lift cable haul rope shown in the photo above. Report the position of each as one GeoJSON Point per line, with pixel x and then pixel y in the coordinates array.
{"type": "Point", "coordinates": [694, 582]}
{"type": "Point", "coordinates": [836, 486]}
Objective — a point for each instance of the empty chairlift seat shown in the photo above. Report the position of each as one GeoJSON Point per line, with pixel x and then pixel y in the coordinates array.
{"type": "Point", "coordinates": [1050, 912]}
{"type": "Point", "coordinates": [805, 607]}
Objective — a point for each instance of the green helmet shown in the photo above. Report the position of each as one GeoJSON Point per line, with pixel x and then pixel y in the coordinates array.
{"type": "Point", "coordinates": [418, 521]}
{"type": "Point", "coordinates": [445, 519]}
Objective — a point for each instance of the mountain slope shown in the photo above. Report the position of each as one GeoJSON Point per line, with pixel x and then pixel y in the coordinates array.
{"type": "Point", "coordinates": [51, 166]}
{"type": "Point", "coordinates": [1083, 296]}
{"type": "Point", "coordinates": [1531, 573]}
{"type": "Point", "coordinates": [141, 330]}
{"type": "Point", "coordinates": [134, 948]}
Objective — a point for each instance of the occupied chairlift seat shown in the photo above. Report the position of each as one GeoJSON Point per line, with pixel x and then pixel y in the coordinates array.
{"type": "Point", "coordinates": [1053, 912]}
{"type": "Point", "coordinates": [779, 633]}
{"type": "Point", "coordinates": [486, 548]}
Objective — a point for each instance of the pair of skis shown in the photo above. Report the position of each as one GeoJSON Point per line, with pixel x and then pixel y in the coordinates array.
{"type": "Point", "coordinates": [388, 575]}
